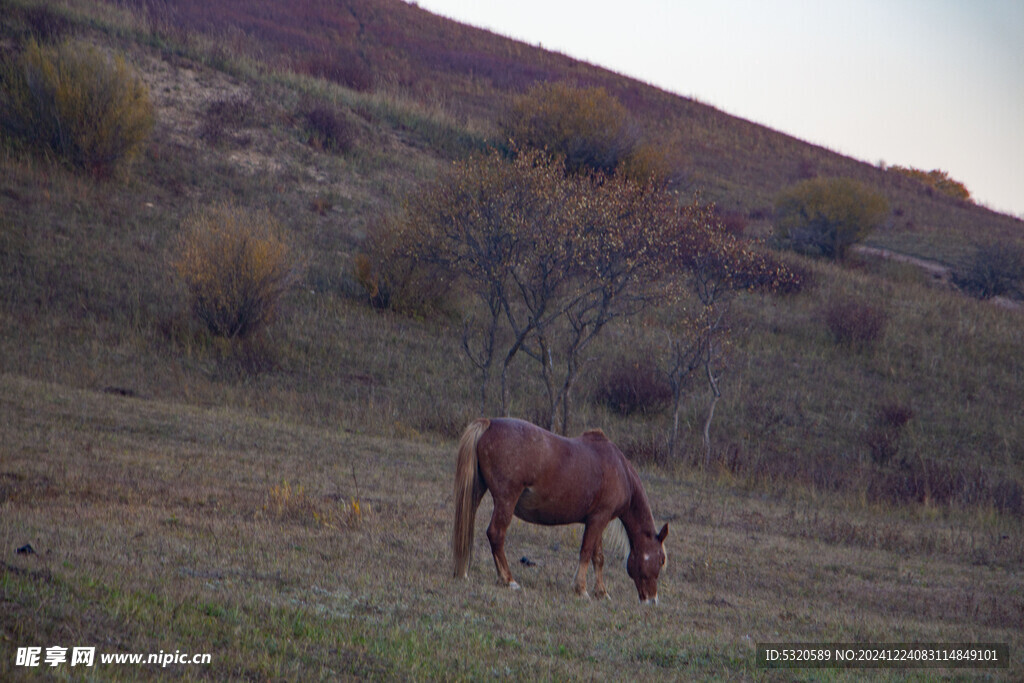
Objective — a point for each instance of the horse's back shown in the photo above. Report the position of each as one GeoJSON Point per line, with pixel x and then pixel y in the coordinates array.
{"type": "Point", "coordinates": [519, 450]}
{"type": "Point", "coordinates": [561, 480]}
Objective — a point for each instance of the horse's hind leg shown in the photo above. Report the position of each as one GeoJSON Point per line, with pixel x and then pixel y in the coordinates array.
{"type": "Point", "coordinates": [500, 520]}
{"type": "Point", "coordinates": [479, 489]}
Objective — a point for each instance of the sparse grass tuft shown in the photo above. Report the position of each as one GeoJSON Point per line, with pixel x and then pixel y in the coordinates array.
{"type": "Point", "coordinates": [286, 502]}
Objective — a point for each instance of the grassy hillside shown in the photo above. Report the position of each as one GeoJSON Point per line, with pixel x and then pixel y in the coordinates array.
{"type": "Point", "coordinates": [182, 493]}
{"type": "Point", "coordinates": [161, 526]}
{"type": "Point", "coordinates": [471, 73]}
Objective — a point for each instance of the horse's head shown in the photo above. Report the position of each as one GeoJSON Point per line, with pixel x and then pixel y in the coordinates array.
{"type": "Point", "coordinates": [644, 563]}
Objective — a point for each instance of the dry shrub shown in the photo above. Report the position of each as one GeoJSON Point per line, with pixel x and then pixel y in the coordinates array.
{"type": "Point", "coordinates": [324, 129]}
{"type": "Point", "coordinates": [344, 68]}
{"type": "Point", "coordinates": [45, 25]}
{"type": "Point", "coordinates": [78, 103]}
{"type": "Point", "coordinates": [763, 270]}
{"type": "Point", "coordinates": [916, 480]}
{"type": "Point", "coordinates": [792, 277]}
{"type": "Point", "coordinates": [637, 386]}
{"type": "Point", "coordinates": [883, 437]}
{"type": "Point", "coordinates": [236, 268]}
{"type": "Point", "coordinates": [733, 222]}
{"type": "Point", "coordinates": [393, 280]}
{"type": "Point", "coordinates": [647, 163]}
{"type": "Point", "coordinates": [906, 480]}
{"type": "Point", "coordinates": [854, 324]}
{"type": "Point", "coordinates": [936, 179]}
{"type": "Point", "coordinates": [646, 450]}
{"type": "Point", "coordinates": [225, 118]}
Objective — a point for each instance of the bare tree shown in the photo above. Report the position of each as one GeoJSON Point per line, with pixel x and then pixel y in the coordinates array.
{"type": "Point", "coordinates": [717, 266]}
{"type": "Point", "coordinates": [552, 258]}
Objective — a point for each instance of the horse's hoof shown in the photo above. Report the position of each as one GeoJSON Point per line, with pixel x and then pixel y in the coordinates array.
{"type": "Point", "coordinates": [584, 595]}
{"type": "Point", "coordinates": [514, 586]}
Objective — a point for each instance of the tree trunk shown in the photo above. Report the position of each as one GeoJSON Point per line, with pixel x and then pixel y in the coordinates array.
{"type": "Point", "coordinates": [716, 394]}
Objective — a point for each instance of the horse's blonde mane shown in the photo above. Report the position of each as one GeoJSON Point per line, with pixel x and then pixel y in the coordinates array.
{"type": "Point", "coordinates": [615, 542]}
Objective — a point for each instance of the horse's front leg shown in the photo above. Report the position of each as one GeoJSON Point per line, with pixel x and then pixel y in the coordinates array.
{"type": "Point", "coordinates": [599, 590]}
{"type": "Point", "coordinates": [591, 542]}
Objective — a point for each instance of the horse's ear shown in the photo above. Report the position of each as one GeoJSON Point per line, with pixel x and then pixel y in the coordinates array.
{"type": "Point", "coordinates": [663, 533]}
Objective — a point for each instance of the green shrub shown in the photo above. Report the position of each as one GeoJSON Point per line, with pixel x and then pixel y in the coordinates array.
{"type": "Point", "coordinates": [994, 270]}
{"type": "Point", "coordinates": [236, 267]}
{"type": "Point", "coordinates": [78, 103]}
{"type": "Point", "coordinates": [828, 215]}
{"type": "Point", "coordinates": [590, 129]}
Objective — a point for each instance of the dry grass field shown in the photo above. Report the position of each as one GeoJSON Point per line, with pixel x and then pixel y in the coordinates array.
{"type": "Point", "coordinates": [285, 505]}
{"type": "Point", "coordinates": [161, 526]}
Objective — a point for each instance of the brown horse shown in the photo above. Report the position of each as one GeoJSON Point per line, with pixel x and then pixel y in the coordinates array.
{"type": "Point", "coordinates": [547, 479]}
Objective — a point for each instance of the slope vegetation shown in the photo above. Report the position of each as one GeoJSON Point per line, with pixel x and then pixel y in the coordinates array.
{"type": "Point", "coordinates": [285, 505]}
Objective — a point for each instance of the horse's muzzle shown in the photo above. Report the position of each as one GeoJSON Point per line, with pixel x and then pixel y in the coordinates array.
{"type": "Point", "coordinates": [650, 601]}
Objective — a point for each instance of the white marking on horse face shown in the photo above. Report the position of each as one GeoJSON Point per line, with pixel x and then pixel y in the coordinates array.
{"type": "Point", "coordinates": [650, 601]}
{"type": "Point", "coordinates": [647, 557]}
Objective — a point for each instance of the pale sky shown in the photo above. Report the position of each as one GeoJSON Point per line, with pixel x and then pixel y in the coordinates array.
{"type": "Point", "coordinates": [922, 83]}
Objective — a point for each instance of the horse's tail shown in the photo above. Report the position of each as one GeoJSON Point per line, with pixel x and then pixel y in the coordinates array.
{"type": "Point", "coordinates": [469, 488]}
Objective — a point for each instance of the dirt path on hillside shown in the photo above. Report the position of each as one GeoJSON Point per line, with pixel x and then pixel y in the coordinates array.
{"type": "Point", "coordinates": [938, 273]}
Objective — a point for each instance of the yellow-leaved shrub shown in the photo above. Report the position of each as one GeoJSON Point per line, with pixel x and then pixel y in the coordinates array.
{"type": "Point", "coordinates": [236, 266]}
{"type": "Point", "coordinates": [77, 102]}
